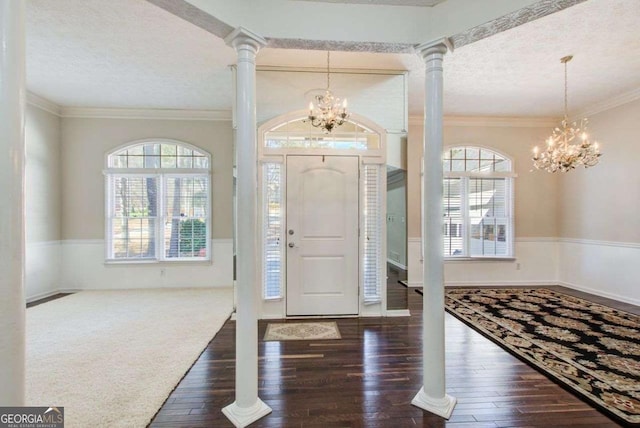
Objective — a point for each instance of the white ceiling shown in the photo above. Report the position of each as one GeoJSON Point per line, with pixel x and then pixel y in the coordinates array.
{"type": "Point", "coordinates": [132, 54]}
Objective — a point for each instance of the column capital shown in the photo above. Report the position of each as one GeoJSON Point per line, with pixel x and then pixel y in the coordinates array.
{"type": "Point", "coordinates": [441, 46]}
{"type": "Point", "coordinates": [241, 36]}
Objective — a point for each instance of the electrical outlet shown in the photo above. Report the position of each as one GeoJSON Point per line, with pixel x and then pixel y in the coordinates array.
{"type": "Point", "coordinates": [162, 272]}
{"type": "Point", "coordinates": [517, 266]}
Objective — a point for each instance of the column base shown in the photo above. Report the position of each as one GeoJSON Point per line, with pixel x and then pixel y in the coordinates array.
{"type": "Point", "coordinates": [241, 417]}
{"type": "Point", "coordinates": [438, 406]}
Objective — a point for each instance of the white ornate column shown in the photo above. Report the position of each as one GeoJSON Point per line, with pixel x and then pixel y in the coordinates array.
{"type": "Point", "coordinates": [248, 407]}
{"type": "Point", "coordinates": [12, 151]}
{"type": "Point", "coordinates": [432, 396]}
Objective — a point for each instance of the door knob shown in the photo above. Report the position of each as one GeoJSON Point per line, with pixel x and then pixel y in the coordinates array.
{"type": "Point", "coordinates": [291, 245]}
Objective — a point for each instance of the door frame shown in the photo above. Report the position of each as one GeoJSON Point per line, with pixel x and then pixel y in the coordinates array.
{"type": "Point", "coordinates": [276, 308]}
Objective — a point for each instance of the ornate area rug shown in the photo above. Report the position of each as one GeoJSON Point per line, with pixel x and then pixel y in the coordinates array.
{"type": "Point", "coordinates": [592, 349]}
{"type": "Point", "coordinates": [302, 331]}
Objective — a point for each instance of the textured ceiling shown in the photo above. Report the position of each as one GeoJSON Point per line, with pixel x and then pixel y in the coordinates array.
{"type": "Point", "coordinates": [123, 53]}
{"type": "Point", "coordinates": [131, 53]}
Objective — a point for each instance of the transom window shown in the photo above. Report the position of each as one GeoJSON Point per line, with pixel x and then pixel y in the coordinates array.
{"type": "Point", "coordinates": [478, 203]}
{"type": "Point", "coordinates": [158, 202]}
{"type": "Point", "coordinates": [299, 133]}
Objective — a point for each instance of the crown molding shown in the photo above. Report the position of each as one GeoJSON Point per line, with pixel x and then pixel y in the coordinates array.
{"type": "Point", "coordinates": [131, 113]}
{"type": "Point", "coordinates": [42, 103]}
{"type": "Point", "coordinates": [614, 102]}
{"type": "Point", "coordinates": [321, 70]}
{"type": "Point", "coordinates": [494, 121]}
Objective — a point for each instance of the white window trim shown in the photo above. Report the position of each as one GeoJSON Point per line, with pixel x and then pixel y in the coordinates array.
{"type": "Point", "coordinates": [161, 174]}
{"type": "Point", "coordinates": [510, 183]}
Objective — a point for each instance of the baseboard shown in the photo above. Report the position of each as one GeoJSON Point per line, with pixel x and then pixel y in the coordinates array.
{"type": "Point", "coordinates": [413, 284]}
{"type": "Point", "coordinates": [491, 283]}
{"type": "Point", "coordinates": [600, 293]}
{"type": "Point", "coordinates": [520, 283]}
{"type": "Point", "coordinates": [396, 264]}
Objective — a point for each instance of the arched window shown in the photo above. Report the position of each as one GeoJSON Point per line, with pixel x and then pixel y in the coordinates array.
{"type": "Point", "coordinates": [478, 203]}
{"type": "Point", "coordinates": [158, 202]}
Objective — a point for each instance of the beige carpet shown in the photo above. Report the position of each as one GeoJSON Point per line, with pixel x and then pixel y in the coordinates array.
{"type": "Point", "coordinates": [302, 331]}
{"type": "Point", "coordinates": [111, 358]}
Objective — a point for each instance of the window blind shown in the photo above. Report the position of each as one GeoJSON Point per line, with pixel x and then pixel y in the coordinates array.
{"type": "Point", "coordinates": [372, 235]}
{"type": "Point", "coordinates": [272, 230]}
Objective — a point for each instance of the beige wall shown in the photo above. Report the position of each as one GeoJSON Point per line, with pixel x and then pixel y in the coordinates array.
{"type": "Point", "coordinates": [535, 191]}
{"type": "Point", "coordinates": [603, 202]}
{"type": "Point", "coordinates": [42, 176]}
{"type": "Point", "coordinates": [85, 143]}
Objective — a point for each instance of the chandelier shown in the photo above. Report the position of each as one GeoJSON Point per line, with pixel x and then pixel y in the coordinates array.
{"type": "Point", "coordinates": [328, 112]}
{"type": "Point", "coordinates": [561, 154]}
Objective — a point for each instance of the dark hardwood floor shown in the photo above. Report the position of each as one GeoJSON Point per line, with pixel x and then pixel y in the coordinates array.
{"type": "Point", "coordinates": [368, 379]}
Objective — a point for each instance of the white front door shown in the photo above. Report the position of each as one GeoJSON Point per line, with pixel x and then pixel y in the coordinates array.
{"type": "Point", "coordinates": [322, 235]}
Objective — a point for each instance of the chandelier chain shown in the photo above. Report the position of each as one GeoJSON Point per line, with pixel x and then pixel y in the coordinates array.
{"type": "Point", "coordinates": [566, 92]}
{"type": "Point", "coordinates": [328, 72]}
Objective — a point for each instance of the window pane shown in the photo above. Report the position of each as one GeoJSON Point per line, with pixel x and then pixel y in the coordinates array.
{"type": "Point", "coordinates": [453, 237]}
{"type": "Point", "coordinates": [136, 161]}
{"type": "Point", "coordinates": [185, 162]}
{"type": "Point", "coordinates": [487, 215]}
{"type": "Point", "coordinates": [372, 230]}
{"type": "Point", "coordinates": [168, 161]}
{"type": "Point", "coordinates": [134, 212]}
{"type": "Point", "coordinates": [185, 226]}
{"type": "Point", "coordinates": [273, 230]}
{"type": "Point", "coordinates": [457, 165]}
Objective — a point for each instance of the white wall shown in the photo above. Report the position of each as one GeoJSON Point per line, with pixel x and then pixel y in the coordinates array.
{"type": "Point", "coordinates": [85, 142]}
{"type": "Point", "coordinates": [599, 220]}
{"type": "Point", "coordinates": [42, 203]}
{"type": "Point", "coordinates": [83, 268]}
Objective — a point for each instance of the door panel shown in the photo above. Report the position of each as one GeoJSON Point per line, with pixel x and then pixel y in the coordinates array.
{"type": "Point", "coordinates": [322, 251]}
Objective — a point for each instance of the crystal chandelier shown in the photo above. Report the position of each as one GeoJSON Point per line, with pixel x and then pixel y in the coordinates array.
{"type": "Point", "coordinates": [561, 154]}
{"type": "Point", "coordinates": [328, 112]}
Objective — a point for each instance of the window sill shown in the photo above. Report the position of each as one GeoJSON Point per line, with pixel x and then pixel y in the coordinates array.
{"type": "Point", "coordinates": [157, 262]}
{"type": "Point", "coordinates": [480, 259]}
